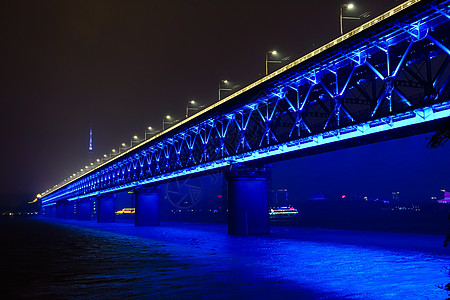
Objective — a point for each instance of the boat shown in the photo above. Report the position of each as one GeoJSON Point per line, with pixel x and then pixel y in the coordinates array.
{"type": "Point", "coordinates": [125, 211]}
{"type": "Point", "coordinates": [283, 211]}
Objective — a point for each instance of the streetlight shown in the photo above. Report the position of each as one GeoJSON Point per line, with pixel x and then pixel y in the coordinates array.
{"type": "Point", "coordinates": [272, 52]}
{"type": "Point", "coordinates": [192, 102]}
{"type": "Point", "coordinates": [149, 131]}
{"type": "Point", "coordinates": [168, 120]}
{"type": "Point", "coordinates": [224, 81]}
{"type": "Point", "coordinates": [348, 6]}
{"type": "Point", "coordinates": [123, 146]}
{"type": "Point", "coordinates": [192, 105]}
{"type": "Point", "coordinates": [134, 139]}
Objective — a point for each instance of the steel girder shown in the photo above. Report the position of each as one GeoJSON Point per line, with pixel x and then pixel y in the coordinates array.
{"type": "Point", "coordinates": [395, 74]}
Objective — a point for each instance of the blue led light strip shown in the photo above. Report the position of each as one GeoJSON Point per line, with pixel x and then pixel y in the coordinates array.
{"type": "Point", "coordinates": [418, 116]}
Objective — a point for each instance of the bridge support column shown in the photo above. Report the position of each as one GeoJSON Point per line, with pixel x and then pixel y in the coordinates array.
{"type": "Point", "coordinates": [61, 209]}
{"type": "Point", "coordinates": [146, 207]}
{"type": "Point", "coordinates": [69, 210]}
{"type": "Point", "coordinates": [50, 211]}
{"type": "Point", "coordinates": [106, 209]}
{"type": "Point", "coordinates": [248, 206]}
{"type": "Point", "coordinates": [84, 209]}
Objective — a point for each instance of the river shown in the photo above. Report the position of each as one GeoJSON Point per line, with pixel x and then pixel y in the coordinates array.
{"type": "Point", "coordinates": [67, 259]}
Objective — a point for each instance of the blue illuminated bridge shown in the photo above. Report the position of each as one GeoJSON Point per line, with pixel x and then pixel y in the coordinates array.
{"type": "Point", "coordinates": [385, 79]}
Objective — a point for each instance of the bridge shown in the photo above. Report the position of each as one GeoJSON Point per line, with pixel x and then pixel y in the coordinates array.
{"type": "Point", "coordinates": [385, 79]}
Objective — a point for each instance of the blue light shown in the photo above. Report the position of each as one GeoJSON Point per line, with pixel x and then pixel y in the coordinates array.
{"type": "Point", "coordinates": [224, 136]}
{"type": "Point", "coordinates": [418, 116]}
{"type": "Point", "coordinates": [439, 44]}
{"type": "Point", "coordinates": [90, 140]}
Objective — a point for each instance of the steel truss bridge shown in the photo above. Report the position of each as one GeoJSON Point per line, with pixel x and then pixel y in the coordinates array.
{"type": "Point", "coordinates": [389, 74]}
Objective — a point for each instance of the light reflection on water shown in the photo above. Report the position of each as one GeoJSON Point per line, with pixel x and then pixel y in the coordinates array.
{"type": "Point", "coordinates": [195, 261]}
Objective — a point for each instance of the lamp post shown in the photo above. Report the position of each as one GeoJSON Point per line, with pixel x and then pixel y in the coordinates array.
{"type": "Point", "coordinates": [168, 117]}
{"type": "Point", "coordinates": [113, 152]}
{"type": "Point", "coordinates": [149, 131]}
{"type": "Point", "coordinates": [123, 146]}
{"type": "Point", "coordinates": [134, 139]}
{"type": "Point", "coordinates": [168, 120]}
{"type": "Point", "coordinates": [348, 6]}
{"type": "Point", "coordinates": [192, 105]}
{"type": "Point", "coordinates": [192, 102]}
{"type": "Point", "coordinates": [272, 52]}
{"type": "Point", "coordinates": [224, 81]}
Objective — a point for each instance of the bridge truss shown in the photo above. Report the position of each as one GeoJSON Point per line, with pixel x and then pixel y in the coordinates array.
{"type": "Point", "coordinates": [390, 73]}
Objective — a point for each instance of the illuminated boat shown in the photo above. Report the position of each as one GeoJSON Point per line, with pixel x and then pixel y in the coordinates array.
{"type": "Point", "coordinates": [283, 211]}
{"type": "Point", "coordinates": [125, 211]}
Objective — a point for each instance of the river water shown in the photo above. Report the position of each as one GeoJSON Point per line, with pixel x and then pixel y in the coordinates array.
{"type": "Point", "coordinates": [67, 259]}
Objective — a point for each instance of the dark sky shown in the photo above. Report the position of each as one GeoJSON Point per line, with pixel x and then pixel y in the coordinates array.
{"type": "Point", "coordinates": [123, 65]}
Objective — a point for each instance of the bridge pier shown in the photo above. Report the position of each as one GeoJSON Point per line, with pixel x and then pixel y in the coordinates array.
{"type": "Point", "coordinates": [50, 211]}
{"type": "Point", "coordinates": [248, 205]}
{"type": "Point", "coordinates": [146, 207]}
{"type": "Point", "coordinates": [69, 210]}
{"type": "Point", "coordinates": [84, 209]}
{"type": "Point", "coordinates": [106, 209]}
{"type": "Point", "coordinates": [60, 209]}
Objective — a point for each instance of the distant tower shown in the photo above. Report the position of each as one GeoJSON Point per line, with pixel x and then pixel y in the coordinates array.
{"type": "Point", "coordinates": [90, 139]}
{"type": "Point", "coordinates": [91, 154]}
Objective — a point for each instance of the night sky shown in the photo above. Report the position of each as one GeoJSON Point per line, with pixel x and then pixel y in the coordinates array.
{"type": "Point", "coordinates": [123, 65]}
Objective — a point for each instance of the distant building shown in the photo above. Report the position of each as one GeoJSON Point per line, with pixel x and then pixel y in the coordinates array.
{"type": "Point", "coordinates": [281, 197]}
{"type": "Point", "coordinates": [395, 197]}
{"type": "Point", "coordinates": [317, 197]}
{"type": "Point", "coordinates": [446, 198]}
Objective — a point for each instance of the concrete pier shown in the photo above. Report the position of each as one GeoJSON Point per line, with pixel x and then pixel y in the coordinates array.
{"type": "Point", "coordinates": [50, 211]}
{"type": "Point", "coordinates": [248, 210]}
{"type": "Point", "coordinates": [106, 211]}
{"type": "Point", "coordinates": [84, 209]}
{"type": "Point", "coordinates": [69, 210]}
{"type": "Point", "coordinates": [60, 209]}
{"type": "Point", "coordinates": [147, 207]}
